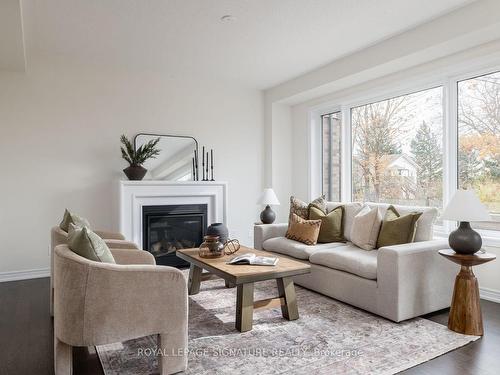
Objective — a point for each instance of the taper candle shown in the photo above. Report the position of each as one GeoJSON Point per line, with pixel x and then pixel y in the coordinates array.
{"type": "Point", "coordinates": [207, 167]}
{"type": "Point", "coordinates": [196, 177]}
{"type": "Point", "coordinates": [203, 164]}
{"type": "Point", "coordinates": [194, 171]}
{"type": "Point", "coordinates": [212, 163]}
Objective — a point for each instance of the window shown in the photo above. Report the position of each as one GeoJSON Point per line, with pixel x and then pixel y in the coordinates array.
{"type": "Point", "coordinates": [330, 133]}
{"type": "Point", "coordinates": [479, 140]}
{"type": "Point", "coordinates": [417, 148]}
{"type": "Point", "coordinates": [397, 150]}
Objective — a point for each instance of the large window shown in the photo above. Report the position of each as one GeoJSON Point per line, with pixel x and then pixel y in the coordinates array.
{"type": "Point", "coordinates": [330, 153]}
{"type": "Point", "coordinates": [417, 148]}
{"type": "Point", "coordinates": [479, 140]}
{"type": "Point", "coordinates": [397, 150]}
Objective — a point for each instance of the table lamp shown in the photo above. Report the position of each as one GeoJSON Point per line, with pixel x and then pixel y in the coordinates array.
{"type": "Point", "coordinates": [465, 207]}
{"type": "Point", "coordinates": [268, 198]}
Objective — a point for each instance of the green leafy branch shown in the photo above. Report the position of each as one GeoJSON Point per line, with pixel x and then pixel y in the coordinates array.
{"type": "Point", "coordinates": [143, 153]}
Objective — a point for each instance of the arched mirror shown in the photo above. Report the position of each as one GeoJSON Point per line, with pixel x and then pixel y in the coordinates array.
{"type": "Point", "coordinates": [175, 161]}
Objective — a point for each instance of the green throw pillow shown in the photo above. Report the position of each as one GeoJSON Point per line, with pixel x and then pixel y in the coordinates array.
{"type": "Point", "coordinates": [397, 229]}
{"type": "Point", "coordinates": [87, 244]}
{"type": "Point", "coordinates": [332, 224]}
{"type": "Point", "coordinates": [71, 218]}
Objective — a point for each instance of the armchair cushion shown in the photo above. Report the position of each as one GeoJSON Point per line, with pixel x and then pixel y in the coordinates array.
{"type": "Point", "coordinates": [109, 235]}
{"type": "Point", "coordinates": [87, 244]}
{"type": "Point", "coordinates": [125, 256]}
{"type": "Point", "coordinates": [71, 218]}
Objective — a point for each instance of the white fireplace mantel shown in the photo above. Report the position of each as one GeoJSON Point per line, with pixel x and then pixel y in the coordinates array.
{"type": "Point", "coordinates": [136, 194]}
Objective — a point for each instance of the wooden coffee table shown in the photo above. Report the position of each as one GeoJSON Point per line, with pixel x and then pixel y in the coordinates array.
{"type": "Point", "coordinates": [244, 277]}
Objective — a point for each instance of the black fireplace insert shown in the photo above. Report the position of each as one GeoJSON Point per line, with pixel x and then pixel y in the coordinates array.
{"type": "Point", "coordinates": [168, 228]}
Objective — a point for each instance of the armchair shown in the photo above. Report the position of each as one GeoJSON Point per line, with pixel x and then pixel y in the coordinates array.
{"type": "Point", "coordinates": [59, 237]}
{"type": "Point", "coordinates": [101, 303]}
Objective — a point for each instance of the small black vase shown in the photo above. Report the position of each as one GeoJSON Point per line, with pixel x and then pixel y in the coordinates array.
{"type": "Point", "coordinates": [218, 229]}
{"type": "Point", "coordinates": [135, 172]}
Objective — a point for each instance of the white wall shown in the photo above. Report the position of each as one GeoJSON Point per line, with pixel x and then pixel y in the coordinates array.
{"type": "Point", "coordinates": [59, 143]}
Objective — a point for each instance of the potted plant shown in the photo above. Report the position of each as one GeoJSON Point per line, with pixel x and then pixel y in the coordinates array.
{"type": "Point", "coordinates": [135, 171]}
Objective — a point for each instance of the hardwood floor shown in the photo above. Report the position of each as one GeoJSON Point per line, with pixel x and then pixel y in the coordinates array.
{"type": "Point", "coordinates": [26, 345]}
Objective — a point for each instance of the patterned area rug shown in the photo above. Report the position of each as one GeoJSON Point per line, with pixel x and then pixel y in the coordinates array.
{"type": "Point", "coordinates": [329, 338]}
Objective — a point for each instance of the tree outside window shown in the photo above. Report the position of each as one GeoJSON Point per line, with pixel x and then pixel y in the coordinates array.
{"type": "Point", "coordinates": [479, 139]}
{"type": "Point", "coordinates": [397, 150]}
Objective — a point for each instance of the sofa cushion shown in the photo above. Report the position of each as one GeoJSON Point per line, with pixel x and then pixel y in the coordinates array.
{"type": "Point", "coordinates": [348, 258]}
{"type": "Point", "coordinates": [283, 245]}
{"type": "Point", "coordinates": [425, 223]}
{"type": "Point", "coordinates": [301, 208]}
{"type": "Point", "coordinates": [365, 228]}
{"type": "Point", "coordinates": [351, 209]}
{"type": "Point", "coordinates": [332, 228]}
{"type": "Point", "coordinates": [302, 230]}
{"type": "Point", "coordinates": [397, 229]}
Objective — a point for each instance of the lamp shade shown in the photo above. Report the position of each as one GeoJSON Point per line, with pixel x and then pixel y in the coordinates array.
{"type": "Point", "coordinates": [268, 197]}
{"type": "Point", "coordinates": [465, 206]}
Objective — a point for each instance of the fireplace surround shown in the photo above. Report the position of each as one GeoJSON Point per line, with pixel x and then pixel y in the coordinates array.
{"type": "Point", "coordinates": [180, 198]}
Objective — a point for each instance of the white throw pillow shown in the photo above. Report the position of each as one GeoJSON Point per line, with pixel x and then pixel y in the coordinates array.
{"type": "Point", "coordinates": [365, 228]}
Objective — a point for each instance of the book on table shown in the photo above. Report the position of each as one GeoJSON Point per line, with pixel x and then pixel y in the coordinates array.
{"type": "Point", "coordinates": [254, 260]}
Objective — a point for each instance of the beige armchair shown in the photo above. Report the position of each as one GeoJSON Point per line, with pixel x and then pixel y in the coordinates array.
{"type": "Point", "coordinates": [101, 303]}
{"type": "Point", "coordinates": [60, 237]}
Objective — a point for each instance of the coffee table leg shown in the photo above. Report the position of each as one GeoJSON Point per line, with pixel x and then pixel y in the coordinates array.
{"type": "Point", "coordinates": [286, 290]}
{"type": "Point", "coordinates": [244, 307]}
{"type": "Point", "coordinates": [194, 279]}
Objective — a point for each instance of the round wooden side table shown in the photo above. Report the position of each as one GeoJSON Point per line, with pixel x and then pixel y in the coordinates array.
{"type": "Point", "coordinates": [465, 312]}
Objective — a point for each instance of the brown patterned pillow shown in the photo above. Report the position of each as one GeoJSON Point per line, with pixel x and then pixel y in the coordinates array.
{"type": "Point", "coordinates": [305, 231]}
{"type": "Point", "coordinates": [301, 208]}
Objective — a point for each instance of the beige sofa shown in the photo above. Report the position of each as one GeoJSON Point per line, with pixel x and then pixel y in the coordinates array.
{"type": "Point", "coordinates": [60, 237]}
{"type": "Point", "coordinates": [100, 303]}
{"type": "Point", "coordinates": [396, 282]}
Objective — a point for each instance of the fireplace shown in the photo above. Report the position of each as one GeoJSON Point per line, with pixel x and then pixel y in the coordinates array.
{"type": "Point", "coordinates": [168, 228]}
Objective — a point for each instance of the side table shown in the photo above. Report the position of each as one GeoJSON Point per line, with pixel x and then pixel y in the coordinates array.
{"type": "Point", "coordinates": [465, 312]}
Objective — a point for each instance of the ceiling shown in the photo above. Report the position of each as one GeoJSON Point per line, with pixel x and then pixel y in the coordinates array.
{"type": "Point", "coordinates": [270, 41]}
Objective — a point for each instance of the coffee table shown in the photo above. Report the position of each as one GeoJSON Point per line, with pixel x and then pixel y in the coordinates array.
{"type": "Point", "coordinates": [244, 277]}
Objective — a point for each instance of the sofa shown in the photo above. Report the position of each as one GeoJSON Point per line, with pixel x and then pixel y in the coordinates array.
{"type": "Point", "coordinates": [102, 303]}
{"type": "Point", "coordinates": [397, 282]}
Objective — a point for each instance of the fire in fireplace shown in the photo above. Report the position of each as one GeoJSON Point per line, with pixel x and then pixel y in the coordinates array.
{"type": "Point", "coordinates": [168, 228]}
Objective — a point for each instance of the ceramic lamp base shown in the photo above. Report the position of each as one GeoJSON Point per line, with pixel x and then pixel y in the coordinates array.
{"type": "Point", "coordinates": [268, 215]}
{"type": "Point", "coordinates": [464, 239]}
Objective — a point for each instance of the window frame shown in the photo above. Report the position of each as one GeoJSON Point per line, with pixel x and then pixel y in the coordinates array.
{"type": "Point", "coordinates": [449, 82]}
{"type": "Point", "coordinates": [340, 149]}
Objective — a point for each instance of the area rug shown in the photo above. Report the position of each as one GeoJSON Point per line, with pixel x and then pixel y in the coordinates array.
{"type": "Point", "coordinates": [329, 338]}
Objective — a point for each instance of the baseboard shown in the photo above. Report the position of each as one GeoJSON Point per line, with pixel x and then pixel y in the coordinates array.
{"type": "Point", "coordinates": [24, 275]}
{"type": "Point", "coordinates": [490, 294]}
